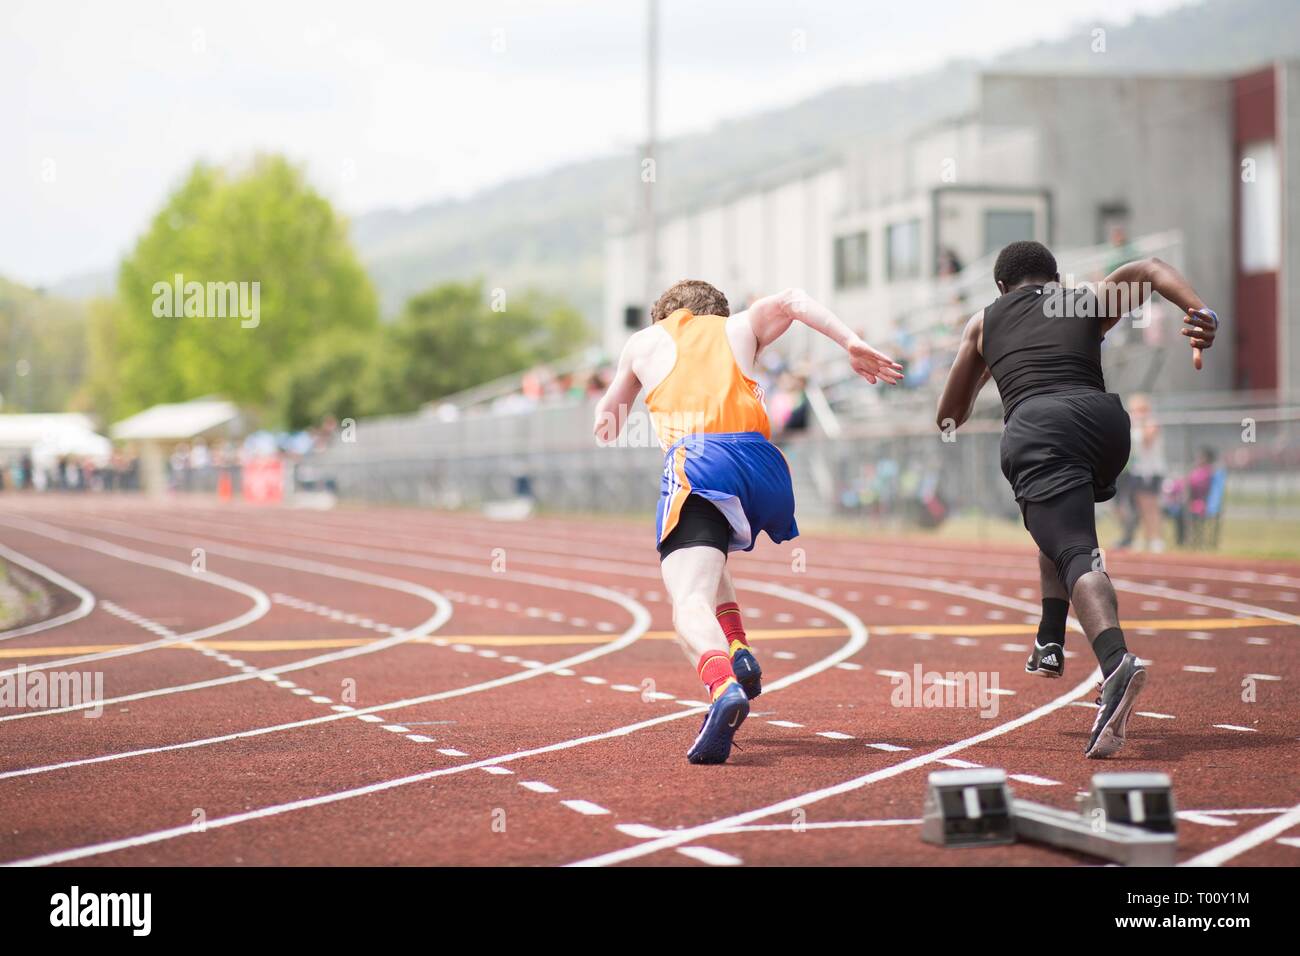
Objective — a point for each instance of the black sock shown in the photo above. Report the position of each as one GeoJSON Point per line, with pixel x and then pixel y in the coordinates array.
{"type": "Point", "coordinates": [1051, 628]}
{"type": "Point", "coordinates": [1110, 650]}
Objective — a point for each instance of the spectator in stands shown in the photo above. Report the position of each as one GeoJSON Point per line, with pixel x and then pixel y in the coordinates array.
{"type": "Point", "coordinates": [1148, 467]}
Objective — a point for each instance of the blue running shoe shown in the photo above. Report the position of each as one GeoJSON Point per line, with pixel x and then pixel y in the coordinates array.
{"type": "Point", "coordinates": [745, 666]}
{"type": "Point", "coordinates": [724, 718]}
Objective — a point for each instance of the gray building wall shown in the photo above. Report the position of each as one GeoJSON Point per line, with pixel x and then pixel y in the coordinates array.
{"type": "Point", "coordinates": [1162, 146]}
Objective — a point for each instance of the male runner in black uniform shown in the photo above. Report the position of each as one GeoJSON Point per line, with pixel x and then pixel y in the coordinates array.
{"type": "Point", "coordinates": [1065, 441]}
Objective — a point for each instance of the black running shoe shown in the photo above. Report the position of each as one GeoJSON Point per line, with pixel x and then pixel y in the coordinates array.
{"type": "Point", "coordinates": [1118, 694]}
{"type": "Point", "coordinates": [1046, 660]}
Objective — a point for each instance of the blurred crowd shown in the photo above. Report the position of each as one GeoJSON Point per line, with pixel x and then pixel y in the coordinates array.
{"type": "Point", "coordinates": [118, 472]}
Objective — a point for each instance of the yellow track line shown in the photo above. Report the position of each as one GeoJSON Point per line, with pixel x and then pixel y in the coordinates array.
{"type": "Point", "coordinates": [545, 640]}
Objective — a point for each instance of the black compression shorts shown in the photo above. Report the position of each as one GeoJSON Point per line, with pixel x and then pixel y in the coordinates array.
{"type": "Point", "coordinates": [700, 524]}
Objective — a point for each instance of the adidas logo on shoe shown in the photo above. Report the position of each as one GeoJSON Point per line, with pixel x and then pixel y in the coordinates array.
{"type": "Point", "coordinates": [1050, 659]}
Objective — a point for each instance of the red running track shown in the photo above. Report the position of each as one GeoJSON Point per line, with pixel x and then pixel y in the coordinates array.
{"type": "Point", "coordinates": [387, 686]}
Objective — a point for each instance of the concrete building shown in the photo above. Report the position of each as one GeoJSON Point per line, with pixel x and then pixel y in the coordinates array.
{"type": "Point", "coordinates": [898, 235]}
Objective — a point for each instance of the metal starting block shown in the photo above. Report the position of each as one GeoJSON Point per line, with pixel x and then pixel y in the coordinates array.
{"type": "Point", "coordinates": [1143, 800]}
{"type": "Point", "coordinates": [1128, 817]}
{"type": "Point", "coordinates": [967, 808]}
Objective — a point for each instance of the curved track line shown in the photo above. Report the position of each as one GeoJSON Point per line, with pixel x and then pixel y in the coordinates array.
{"type": "Point", "coordinates": [440, 616]}
{"type": "Point", "coordinates": [261, 603]}
{"type": "Point", "coordinates": [86, 600]}
{"type": "Point", "coordinates": [857, 640]}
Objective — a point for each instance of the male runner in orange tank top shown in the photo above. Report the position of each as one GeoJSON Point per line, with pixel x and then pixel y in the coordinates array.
{"type": "Point", "coordinates": [723, 480]}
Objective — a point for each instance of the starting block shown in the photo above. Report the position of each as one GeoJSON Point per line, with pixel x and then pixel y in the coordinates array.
{"type": "Point", "coordinates": [967, 808]}
{"type": "Point", "coordinates": [1128, 818]}
{"type": "Point", "coordinates": [1143, 800]}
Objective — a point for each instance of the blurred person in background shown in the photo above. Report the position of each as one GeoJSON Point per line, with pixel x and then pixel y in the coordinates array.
{"type": "Point", "coordinates": [1148, 468]}
{"type": "Point", "coordinates": [1065, 441]}
{"type": "Point", "coordinates": [723, 480]}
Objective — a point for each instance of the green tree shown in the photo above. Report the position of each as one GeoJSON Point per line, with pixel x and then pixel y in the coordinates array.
{"type": "Point", "coordinates": [453, 337]}
{"type": "Point", "coordinates": [42, 349]}
{"type": "Point", "coordinates": [334, 376]}
{"type": "Point", "coordinates": [262, 224]}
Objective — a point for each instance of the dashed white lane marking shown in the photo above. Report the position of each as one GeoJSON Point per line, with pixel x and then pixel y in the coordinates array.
{"type": "Point", "coordinates": [420, 738]}
{"type": "Point", "coordinates": [370, 718]}
{"type": "Point", "coordinates": [624, 688]}
{"type": "Point", "coordinates": [585, 807]}
{"type": "Point", "coordinates": [1199, 669]}
{"type": "Point", "coordinates": [958, 762]}
{"type": "Point", "coordinates": [848, 666]}
{"type": "Point", "coordinates": [498, 771]}
{"type": "Point", "coordinates": [784, 723]}
{"type": "Point", "coordinates": [1258, 641]}
{"type": "Point", "coordinates": [537, 786]}
{"type": "Point", "coordinates": [783, 655]}
{"type": "Point", "coordinates": [834, 735]}
{"type": "Point", "coordinates": [1035, 781]}
{"type": "Point", "coordinates": [712, 857]}
{"type": "Point", "coordinates": [965, 641]}
{"type": "Point", "coordinates": [397, 729]}
{"type": "Point", "coordinates": [593, 679]}
{"type": "Point", "coordinates": [451, 752]}
{"type": "Point", "coordinates": [1289, 841]}
{"type": "Point", "coordinates": [889, 748]}
{"type": "Point", "coordinates": [1152, 713]}
{"type": "Point", "coordinates": [1015, 648]}
{"type": "Point", "coordinates": [825, 825]}
{"type": "Point", "coordinates": [1205, 819]}
{"type": "Point", "coordinates": [885, 673]}
{"type": "Point", "coordinates": [1200, 636]}
{"type": "Point", "coordinates": [1244, 730]}
{"type": "Point", "coordinates": [1263, 677]}
{"type": "Point", "coordinates": [639, 831]}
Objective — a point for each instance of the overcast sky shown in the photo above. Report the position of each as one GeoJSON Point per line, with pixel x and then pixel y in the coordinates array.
{"type": "Point", "coordinates": [105, 105]}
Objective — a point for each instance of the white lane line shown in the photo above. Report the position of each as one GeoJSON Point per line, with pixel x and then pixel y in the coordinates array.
{"type": "Point", "coordinates": [498, 771]}
{"type": "Point", "coordinates": [1247, 841]}
{"type": "Point", "coordinates": [704, 854]}
{"type": "Point", "coordinates": [693, 834]}
{"type": "Point", "coordinates": [640, 623]}
{"type": "Point", "coordinates": [261, 603]}
{"type": "Point", "coordinates": [419, 738]}
{"type": "Point", "coordinates": [825, 825]}
{"type": "Point", "coordinates": [958, 762]}
{"type": "Point", "coordinates": [440, 616]}
{"type": "Point", "coordinates": [85, 600]}
{"type": "Point", "coordinates": [1152, 713]}
{"type": "Point", "coordinates": [856, 641]}
{"type": "Point", "coordinates": [1246, 730]}
{"type": "Point", "coordinates": [585, 807]}
{"type": "Point", "coordinates": [1199, 669]}
{"type": "Point", "coordinates": [1289, 841]}
{"type": "Point", "coordinates": [834, 735]}
{"type": "Point", "coordinates": [537, 786]}
{"type": "Point", "coordinates": [784, 723]}
{"type": "Point", "coordinates": [451, 752]}
{"type": "Point", "coordinates": [1263, 677]}
{"type": "Point", "coordinates": [1035, 781]}
{"type": "Point", "coordinates": [889, 748]}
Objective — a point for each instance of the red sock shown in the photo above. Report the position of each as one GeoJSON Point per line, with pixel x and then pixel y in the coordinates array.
{"type": "Point", "coordinates": [714, 669]}
{"type": "Point", "coordinates": [733, 626]}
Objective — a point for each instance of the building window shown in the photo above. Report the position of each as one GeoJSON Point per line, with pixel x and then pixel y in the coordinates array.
{"type": "Point", "coordinates": [903, 250]}
{"type": "Point", "coordinates": [851, 261]}
{"type": "Point", "coordinates": [1005, 226]}
{"type": "Point", "coordinates": [1261, 208]}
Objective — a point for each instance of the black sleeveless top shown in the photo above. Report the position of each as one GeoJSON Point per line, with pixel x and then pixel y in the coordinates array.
{"type": "Point", "coordinates": [1043, 342]}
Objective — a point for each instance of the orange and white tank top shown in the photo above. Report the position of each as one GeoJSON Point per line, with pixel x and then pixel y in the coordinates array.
{"type": "Point", "coordinates": [705, 392]}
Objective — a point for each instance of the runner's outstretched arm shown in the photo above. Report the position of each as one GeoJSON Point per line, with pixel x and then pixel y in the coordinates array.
{"type": "Point", "coordinates": [968, 375]}
{"type": "Point", "coordinates": [612, 409]}
{"type": "Point", "coordinates": [772, 315]}
{"type": "Point", "coordinates": [1132, 283]}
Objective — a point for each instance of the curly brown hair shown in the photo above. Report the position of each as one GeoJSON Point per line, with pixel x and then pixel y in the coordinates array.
{"type": "Point", "coordinates": [694, 294]}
